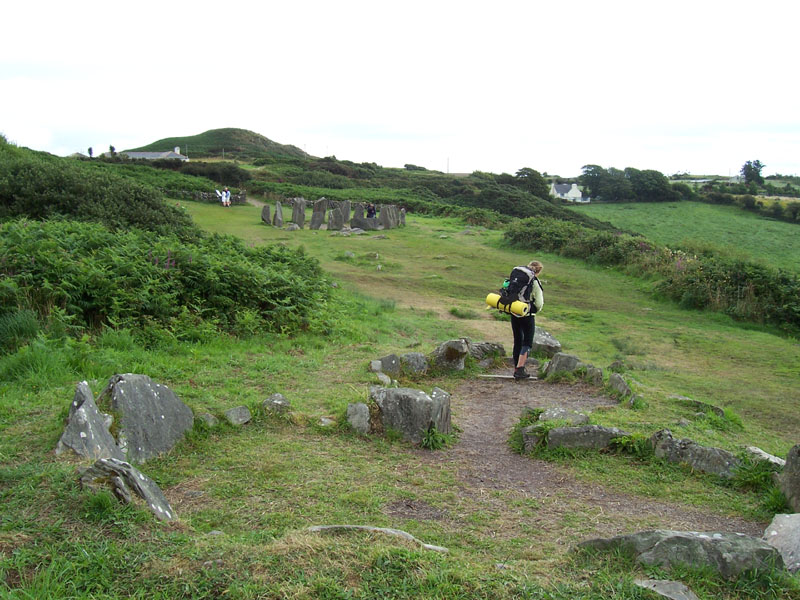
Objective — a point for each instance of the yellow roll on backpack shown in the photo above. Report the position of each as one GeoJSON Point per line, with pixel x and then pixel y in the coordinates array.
{"type": "Point", "coordinates": [521, 309]}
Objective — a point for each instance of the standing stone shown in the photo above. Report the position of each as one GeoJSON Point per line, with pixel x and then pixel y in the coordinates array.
{"type": "Point", "coordinates": [277, 219]}
{"type": "Point", "coordinates": [318, 213]}
{"type": "Point", "coordinates": [562, 362]}
{"type": "Point", "coordinates": [784, 535]}
{"type": "Point", "coordinates": [403, 217]}
{"type": "Point", "coordinates": [126, 481]}
{"type": "Point", "coordinates": [265, 216]}
{"type": "Point", "coordinates": [415, 363]}
{"type": "Point", "coordinates": [412, 412]}
{"type": "Point", "coordinates": [451, 355]}
{"type": "Point", "coordinates": [390, 364]}
{"type": "Point", "coordinates": [152, 418]}
{"type": "Point", "coordinates": [617, 383]}
{"type": "Point", "coordinates": [789, 480]}
{"type": "Point", "coordinates": [335, 219]}
{"type": "Point", "coordinates": [358, 417]}
{"type": "Point", "coordinates": [545, 343]}
{"type": "Point", "coordinates": [385, 217]}
{"type": "Point", "coordinates": [299, 212]}
{"type": "Point", "coordinates": [86, 432]}
{"type": "Point", "coordinates": [345, 208]}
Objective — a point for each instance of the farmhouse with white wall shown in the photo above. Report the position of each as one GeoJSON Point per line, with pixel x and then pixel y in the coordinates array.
{"type": "Point", "coordinates": [567, 191]}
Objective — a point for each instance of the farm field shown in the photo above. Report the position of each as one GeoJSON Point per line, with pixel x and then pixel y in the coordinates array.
{"type": "Point", "coordinates": [695, 225]}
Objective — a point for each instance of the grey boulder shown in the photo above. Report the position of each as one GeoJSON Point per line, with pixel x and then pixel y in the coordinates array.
{"type": "Point", "coordinates": [125, 482]}
{"type": "Point", "coordinates": [152, 418]}
{"type": "Point", "coordinates": [729, 554]}
{"type": "Point", "coordinates": [715, 461]}
{"type": "Point", "coordinates": [86, 432]}
{"type": "Point", "coordinates": [412, 412]}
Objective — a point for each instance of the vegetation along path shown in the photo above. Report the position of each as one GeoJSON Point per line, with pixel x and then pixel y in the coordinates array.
{"type": "Point", "coordinates": [485, 465]}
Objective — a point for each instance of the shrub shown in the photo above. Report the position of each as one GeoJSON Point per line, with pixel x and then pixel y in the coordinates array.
{"type": "Point", "coordinates": [139, 280]}
{"type": "Point", "coordinates": [746, 291]}
{"type": "Point", "coordinates": [41, 186]}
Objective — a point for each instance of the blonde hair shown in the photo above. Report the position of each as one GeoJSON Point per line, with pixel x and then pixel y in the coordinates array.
{"type": "Point", "coordinates": [535, 266]}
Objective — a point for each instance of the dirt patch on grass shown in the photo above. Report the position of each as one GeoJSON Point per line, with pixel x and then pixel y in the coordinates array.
{"type": "Point", "coordinates": [483, 462]}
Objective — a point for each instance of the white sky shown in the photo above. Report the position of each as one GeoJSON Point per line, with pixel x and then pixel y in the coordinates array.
{"type": "Point", "coordinates": [677, 86]}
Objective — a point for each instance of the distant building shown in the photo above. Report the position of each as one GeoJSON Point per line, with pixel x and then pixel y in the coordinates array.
{"type": "Point", "coordinates": [169, 154]}
{"type": "Point", "coordinates": [567, 191]}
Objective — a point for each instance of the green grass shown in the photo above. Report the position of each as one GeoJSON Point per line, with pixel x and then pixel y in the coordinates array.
{"type": "Point", "coordinates": [696, 225]}
{"type": "Point", "coordinates": [263, 484]}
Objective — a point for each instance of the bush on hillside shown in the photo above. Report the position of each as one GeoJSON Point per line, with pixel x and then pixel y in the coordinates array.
{"type": "Point", "coordinates": [40, 186]}
{"type": "Point", "coordinates": [94, 277]}
{"type": "Point", "coordinates": [743, 290]}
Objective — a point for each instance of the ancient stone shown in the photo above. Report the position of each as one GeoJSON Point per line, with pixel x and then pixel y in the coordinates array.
{"type": "Point", "coordinates": [412, 412]}
{"type": "Point", "coordinates": [86, 432]}
{"type": "Point", "coordinates": [784, 535]}
{"type": "Point", "coordinates": [558, 413]}
{"type": "Point", "coordinates": [152, 418]}
{"type": "Point", "coordinates": [618, 384]}
{"type": "Point", "coordinates": [384, 379]}
{"type": "Point", "coordinates": [376, 366]}
{"type": "Point", "coordinates": [789, 480]}
{"type": "Point", "coordinates": [277, 404]}
{"type": "Point", "coordinates": [292, 227]}
{"type": "Point", "coordinates": [450, 355]}
{"type": "Point", "coordinates": [759, 455]}
{"type": "Point", "coordinates": [238, 415]}
{"type": "Point", "coordinates": [318, 213]}
{"type": "Point", "coordinates": [299, 212]}
{"type": "Point", "coordinates": [532, 436]}
{"type": "Point", "coordinates": [326, 422]}
{"type": "Point", "coordinates": [562, 363]}
{"type": "Point", "coordinates": [697, 405]}
{"type": "Point", "coordinates": [335, 219]}
{"type": "Point", "coordinates": [414, 363]}
{"type": "Point", "coordinates": [390, 364]}
{"type": "Point", "coordinates": [125, 482]}
{"type": "Point", "coordinates": [344, 208]}
{"type": "Point", "coordinates": [403, 217]}
{"type": "Point", "coordinates": [673, 590]}
{"type": "Point", "coordinates": [585, 436]}
{"type": "Point", "coordinates": [715, 461]}
{"type": "Point", "coordinates": [544, 343]}
{"type": "Point", "coordinates": [481, 350]}
{"type": "Point", "coordinates": [277, 218]}
{"type": "Point", "coordinates": [617, 366]}
{"type": "Point", "coordinates": [265, 216]}
{"type": "Point", "coordinates": [209, 419]}
{"type": "Point", "coordinates": [729, 554]}
{"type": "Point", "coordinates": [594, 375]}
{"type": "Point", "coordinates": [358, 417]}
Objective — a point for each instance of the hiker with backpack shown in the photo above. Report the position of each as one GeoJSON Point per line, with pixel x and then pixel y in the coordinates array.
{"type": "Point", "coordinates": [524, 286]}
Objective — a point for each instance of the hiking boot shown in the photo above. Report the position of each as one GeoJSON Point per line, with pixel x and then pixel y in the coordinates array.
{"type": "Point", "coordinates": [521, 373]}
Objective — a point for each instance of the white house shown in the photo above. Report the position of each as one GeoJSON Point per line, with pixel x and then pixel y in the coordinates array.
{"type": "Point", "coordinates": [176, 155]}
{"type": "Point", "coordinates": [567, 191]}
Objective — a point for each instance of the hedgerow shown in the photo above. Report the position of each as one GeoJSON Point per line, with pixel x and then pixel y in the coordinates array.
{"type": "Point", "coordinates": [95, 277]}
{"type": "Point", "coordinates": [746, 291]}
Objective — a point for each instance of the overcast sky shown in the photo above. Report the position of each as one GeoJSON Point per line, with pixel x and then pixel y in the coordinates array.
{"type": "Point", "coordinates": [677, 86]}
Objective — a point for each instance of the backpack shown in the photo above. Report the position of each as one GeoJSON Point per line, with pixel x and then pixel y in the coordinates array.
{"type": "Point", "coordinates": [514, 287]}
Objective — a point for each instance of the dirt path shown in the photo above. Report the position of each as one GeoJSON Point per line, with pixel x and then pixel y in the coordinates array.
{"type": "Point", "coordinates": [486, 411]}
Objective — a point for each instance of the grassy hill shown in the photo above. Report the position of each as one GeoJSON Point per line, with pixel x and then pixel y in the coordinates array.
{"type": "Point", "coordinates": [246, 495]}
{"type": "Point", "coordinates": [236, 143]}
{"type": "Point", "coordinates": [696, 226]}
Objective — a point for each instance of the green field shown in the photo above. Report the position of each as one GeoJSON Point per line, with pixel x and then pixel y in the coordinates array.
{"type": "Point", "coordinates": [696, 225]}
{"type": "Point", "coordinates": [246, 496]}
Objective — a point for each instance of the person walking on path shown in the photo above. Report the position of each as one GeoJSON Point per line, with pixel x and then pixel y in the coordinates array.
{"type": "Point", "coordinates": [524, 285]}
